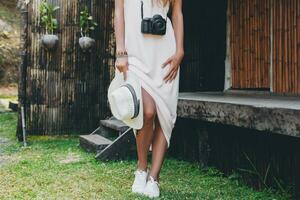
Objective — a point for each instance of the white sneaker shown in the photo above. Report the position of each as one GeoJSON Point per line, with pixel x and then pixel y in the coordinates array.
{"type": "Point", "coordinates": [152, 188]}
{"type": "Point", "coordinates": [140, 181]}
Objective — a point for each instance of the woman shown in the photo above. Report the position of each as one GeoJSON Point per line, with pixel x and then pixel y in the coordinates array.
{"type": "Point", "coordinates": [154, 59]}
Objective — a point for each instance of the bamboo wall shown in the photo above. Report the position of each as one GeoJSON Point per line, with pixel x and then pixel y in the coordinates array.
{"type": "Point", "coordinates": [66, 89]}
{"type": "Point", "coordinates": [250, 43]}
{"type": "Point", "coordinates": [264, 44]}
{"type": "Point", "coordinates": [286, 42]}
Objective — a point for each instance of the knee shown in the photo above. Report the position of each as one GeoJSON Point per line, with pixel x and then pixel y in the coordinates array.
{"type": "Point", "coordinates": [149, 115]}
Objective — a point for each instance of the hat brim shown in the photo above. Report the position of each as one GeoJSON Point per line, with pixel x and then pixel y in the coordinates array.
{"type": "Point", "coordinates": [118, 81]}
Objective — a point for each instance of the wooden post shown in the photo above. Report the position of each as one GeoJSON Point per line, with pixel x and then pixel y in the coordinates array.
{"type": "Point", "coordinates": [23, 65]}
{"type": "Point", "coordinates": [228, 79]}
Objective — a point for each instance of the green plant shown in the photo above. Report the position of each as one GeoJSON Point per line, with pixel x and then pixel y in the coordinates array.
{"type": "Point", "coordinates": [87, 24]}
{"type": "Point", "coordinates": [47, 16]}
{"type": "Point", "coordinates": [264, 176]}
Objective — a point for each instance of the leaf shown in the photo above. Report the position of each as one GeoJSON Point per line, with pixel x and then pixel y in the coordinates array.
{"type": "Point", "coordinates": [55, 23]}
{"type": "Point", "coordinates": [86, 22]}
{"type": "Point", "coordinates": [267, 173]}
{"type": "Point", "coordinates": [55, 8]}
{"type": "Point", "coordinates": [45, 5]}
{"type": "Point", "coordinates": [247, 171]}
{"type": "Point", "coordinates": [44, 10]}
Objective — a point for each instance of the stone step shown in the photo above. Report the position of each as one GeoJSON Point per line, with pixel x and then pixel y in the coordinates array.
{"type": "Point", "coordinates": [121, 148]}
{"type": "Point", "coordinates": [13, 106]}
{"type": "Point", "coordinates": [94, 143]}
{"type": "Point", "coordinates": [114, 124]}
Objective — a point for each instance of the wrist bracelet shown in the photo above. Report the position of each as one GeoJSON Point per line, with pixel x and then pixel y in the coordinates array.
{"type": "Point", "coordinates": [121, 54]}
{"type": "Point", "coordinates": [124, 56]}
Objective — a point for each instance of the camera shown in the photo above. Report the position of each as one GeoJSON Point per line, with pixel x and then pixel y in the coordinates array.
{"type": "Point", "coordinates": [156, 25]}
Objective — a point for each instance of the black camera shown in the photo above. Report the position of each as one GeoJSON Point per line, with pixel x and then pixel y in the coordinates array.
{"type": "Point", "coordinates": [156, 25]}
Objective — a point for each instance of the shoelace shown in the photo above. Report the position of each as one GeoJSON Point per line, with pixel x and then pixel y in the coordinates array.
{"type": "Point", "coordinates": [153, 181]}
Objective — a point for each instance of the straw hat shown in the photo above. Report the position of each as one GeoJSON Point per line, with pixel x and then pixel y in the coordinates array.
{"type": "Point", "coordinates": [125, 99]}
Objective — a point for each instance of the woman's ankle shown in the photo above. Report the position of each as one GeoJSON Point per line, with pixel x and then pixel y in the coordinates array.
{"type": "Point", "coordinates": [154, 176]}
{"type": "Point", "coordinates": [142, 167]}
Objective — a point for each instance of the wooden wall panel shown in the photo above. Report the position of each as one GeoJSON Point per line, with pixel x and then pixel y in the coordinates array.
{"type": "Point", "coordinates": [286, 42]}
{"type": "Point", "coordinates": [66, 89]}
{"type": "Point", "coordinates": [250, 43]}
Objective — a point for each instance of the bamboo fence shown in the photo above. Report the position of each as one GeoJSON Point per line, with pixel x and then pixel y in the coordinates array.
{"type": "Point", "coordinates": [265, 44]}
{"type": "Point", "coordinates": [250, 43]}
{"type": "Point", "coordinates": [66, 89]}
{"type": "Point", "coordinates": [286, 42]}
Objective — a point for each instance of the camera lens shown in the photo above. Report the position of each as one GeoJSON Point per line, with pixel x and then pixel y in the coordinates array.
{"type": "Point", "coordinates": [158, 25]}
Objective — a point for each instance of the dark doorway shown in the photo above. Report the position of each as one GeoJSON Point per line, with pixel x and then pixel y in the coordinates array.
{"type": "Point", "coordinates": [203, 68]}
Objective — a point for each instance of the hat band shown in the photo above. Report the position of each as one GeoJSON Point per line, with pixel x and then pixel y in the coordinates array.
{"type": "Point", "coordinates": [135, 100]}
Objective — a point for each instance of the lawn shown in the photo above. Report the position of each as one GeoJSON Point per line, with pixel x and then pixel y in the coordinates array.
{"type": "Point", "coordinates": [56, 168]}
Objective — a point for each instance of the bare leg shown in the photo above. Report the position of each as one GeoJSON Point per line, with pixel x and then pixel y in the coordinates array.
{"type": "Point", "coordinates": [159, 147]}
{"type": "Point", "coordinates": [145, 135]}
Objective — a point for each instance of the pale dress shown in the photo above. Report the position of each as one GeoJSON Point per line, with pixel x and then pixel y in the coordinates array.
{"type": "Point", "coordinates": [146, 55]}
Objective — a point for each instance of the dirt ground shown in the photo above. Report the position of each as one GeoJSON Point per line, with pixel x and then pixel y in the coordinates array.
{"type": "Point", "coordinates": [9, 42]}
{"type": "Point", "coordinates": [7, 94]}
{"type": "Point", "coordinates": [9, 91]}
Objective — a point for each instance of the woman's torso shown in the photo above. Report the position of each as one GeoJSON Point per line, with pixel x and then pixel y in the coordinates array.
{"type": "Point", "coordinates": [151, 50]}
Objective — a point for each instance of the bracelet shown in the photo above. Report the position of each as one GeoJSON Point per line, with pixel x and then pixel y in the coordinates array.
{"type": "Point", "coordinates": [125, 56]}
{"type": "Point", "coordinates": [121, 54]}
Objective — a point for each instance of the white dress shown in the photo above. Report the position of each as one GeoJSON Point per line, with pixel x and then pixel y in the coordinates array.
{"type": "Point", "coordinates": [146, 54]}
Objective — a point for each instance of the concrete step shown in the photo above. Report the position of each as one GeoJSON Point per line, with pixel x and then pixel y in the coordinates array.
{"type": "Point", "coordinates": [114, 124]}
{"type": "Point", "coordinates": [121, 148]}
{"type": "Point", "coordinates": [94, 143]}
{"type": "Point", "coordinates": [13, 106]}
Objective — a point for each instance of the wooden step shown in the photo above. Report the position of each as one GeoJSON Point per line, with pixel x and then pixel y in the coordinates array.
{"type": "Point", "coordinates": [114, 124]}
{"type": "Point", "coordinates": [120, 148]}
{"type": "Point", "coordinates": [94, 142]}
{"type": "Point", "coordinates": [13, 106]}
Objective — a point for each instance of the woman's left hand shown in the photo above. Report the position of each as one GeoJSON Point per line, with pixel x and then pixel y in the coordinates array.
{"type": "Point", "coordinates": [174, 62]}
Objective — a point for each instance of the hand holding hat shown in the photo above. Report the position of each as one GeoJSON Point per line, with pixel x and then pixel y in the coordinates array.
{"type": "Point", "coordinates": [125, 99]}
{"type": "Point", "coordinates": [122, 63]}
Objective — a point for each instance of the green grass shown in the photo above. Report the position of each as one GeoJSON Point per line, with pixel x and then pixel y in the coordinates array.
{"type": "Point", "coordinates": [56, 168]}
{"type": "Point", "coordinates": [8, 123]}
{"type": "Point", "coordinates": [8, 97]}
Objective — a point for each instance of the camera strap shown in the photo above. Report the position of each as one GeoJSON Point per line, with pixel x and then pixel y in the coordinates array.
{"type": "Point", "coordinates": [142, 11]}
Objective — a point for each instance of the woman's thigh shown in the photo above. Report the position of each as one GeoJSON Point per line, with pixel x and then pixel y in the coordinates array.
{"type": "Point", "coordinates": [148, 106]}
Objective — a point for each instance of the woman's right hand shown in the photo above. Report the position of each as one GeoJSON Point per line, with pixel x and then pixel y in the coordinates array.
{"type": "Point", "coordinates": [122, 65]}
